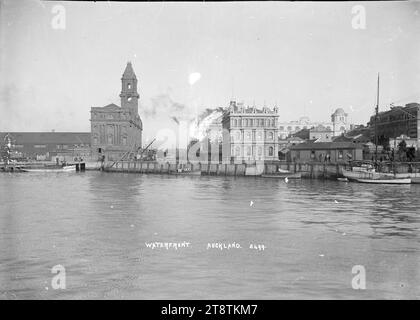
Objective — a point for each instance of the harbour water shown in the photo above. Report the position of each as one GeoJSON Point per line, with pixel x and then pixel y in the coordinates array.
{"type": "Point", "coordinates": [96, 225]}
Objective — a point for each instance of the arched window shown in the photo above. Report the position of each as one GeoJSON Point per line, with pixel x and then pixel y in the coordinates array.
{"type": "Point", "coordinates": [235, 122]}
{"type": "Point", "coordinates": [238, 136]}
{"type": "Point", "coordinates": [248, 151]}
{"type": "Point", "coordinates": [270, 135]}
{"type": "Point", "coordinates": [238, 151]}
{"type": "Point", "coordinates": [248, 135]}
{"type": "Point", "coordinates": [129, 86]}
{"type": "Point", "coordinates": [270, 151]}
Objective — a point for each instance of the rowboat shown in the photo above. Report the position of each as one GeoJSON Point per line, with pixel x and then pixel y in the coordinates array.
{"type": "Point", "coordinates": [386, 181]}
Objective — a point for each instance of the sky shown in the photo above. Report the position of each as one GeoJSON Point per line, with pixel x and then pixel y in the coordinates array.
{"type": "Point", "coordinates": [305, 57]}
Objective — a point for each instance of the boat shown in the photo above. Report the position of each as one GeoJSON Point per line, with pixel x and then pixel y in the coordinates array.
{"type": "Point", "coordinates": [365, 172]}
{"type": "Point", "coordinates": [68, 168]}
{"type": "Point", "coordinates": [386, 181]}
{"type": "Point", "coordinates": [343, 179]}
{"type": "Point", "coordinates": [282, 174]}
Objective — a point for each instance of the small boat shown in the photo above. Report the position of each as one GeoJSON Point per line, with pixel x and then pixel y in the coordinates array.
{"type": "Point", "coordinates": [187, 171]}
{"type": "Point", "coordinates": [343, 179]}
{"type": "Point", "coordinates": [386, 180]}
{"type": "Point", "coordinates": [70, 168]}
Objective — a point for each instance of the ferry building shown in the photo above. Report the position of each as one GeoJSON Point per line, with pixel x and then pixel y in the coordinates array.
{"type": "Point", "coordinates": [116, 131]}
{"type": "Point", "coordinates": [250, 134]}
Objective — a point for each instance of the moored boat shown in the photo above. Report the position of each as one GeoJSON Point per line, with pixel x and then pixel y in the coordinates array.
{"type": "Point", "coordinates": [69, 168]}
{"type": "Point", "coordinates": [386, 180]}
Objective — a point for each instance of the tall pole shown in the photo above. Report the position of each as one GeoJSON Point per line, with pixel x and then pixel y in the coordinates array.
{"type": "Point", "coordinates": [376, 120]}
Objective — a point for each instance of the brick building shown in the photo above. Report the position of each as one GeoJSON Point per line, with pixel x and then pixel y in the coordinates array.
{"type": "Point", "coordinates": [396, 122]}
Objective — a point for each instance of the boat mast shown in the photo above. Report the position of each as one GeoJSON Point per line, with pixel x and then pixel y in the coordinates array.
{"type": "Point", "coordinates": [376, 120]}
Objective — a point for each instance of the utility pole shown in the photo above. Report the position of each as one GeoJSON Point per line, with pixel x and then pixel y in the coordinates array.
{"type": "Point", "coordinates": [376, 120]}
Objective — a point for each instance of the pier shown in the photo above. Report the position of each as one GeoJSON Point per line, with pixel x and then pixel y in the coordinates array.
{"type": "Point", "coordinates": [310, 170]}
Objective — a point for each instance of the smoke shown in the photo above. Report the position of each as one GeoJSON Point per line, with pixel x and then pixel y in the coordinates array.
{"type": "Point", "coordinates": [200, 128]}
{"type": "Point", "coordinates": [163, 104]}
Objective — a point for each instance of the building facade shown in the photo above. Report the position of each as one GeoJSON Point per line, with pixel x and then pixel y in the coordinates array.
{"type": "Point", "coordinates": [116, 131]}
{"type": "Point", "coordinates": [338, 124]}
{"type": "Point", "coordinates": [396, 122]}
{"type": "Point", "coordinates": [321, 134]}
{"type": "Point", "coordinates": [334, 152]}
{"type": "Point", "coordinates": [48, 145]}
{"type": "Point", "coordinates": [249, 134]}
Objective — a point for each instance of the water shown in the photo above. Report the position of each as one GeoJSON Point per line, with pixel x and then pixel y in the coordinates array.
{"type": "Point", "coordinates": [96, 226]}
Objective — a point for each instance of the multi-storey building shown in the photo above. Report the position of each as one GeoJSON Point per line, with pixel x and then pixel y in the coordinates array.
{"type": "Point", "coordinates": [117, 131]}
{"type": "Point", "coordinates": [396, 122]}
{"type": "Point", "coordinates": [249, 134]}
{"type": "Point", "coordinates": [338, 124]}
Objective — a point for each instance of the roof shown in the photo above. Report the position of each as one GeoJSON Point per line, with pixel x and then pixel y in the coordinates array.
{"type": "Point", "coordinates": [129, 72]}
{"type": "Point", "coordinates": [327, 145]}
{"type": "Point", "coordinates": [339, 111]}
{"type": "Point", "coordinates": [48, 137]}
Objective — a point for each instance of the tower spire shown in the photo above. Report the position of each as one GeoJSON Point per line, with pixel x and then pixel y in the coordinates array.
{"type": "Point", "coordinates": [129, 95]}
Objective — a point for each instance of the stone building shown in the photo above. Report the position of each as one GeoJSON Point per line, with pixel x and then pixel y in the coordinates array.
{"type": "Point", "coordinates": [249, 134]}
{"type": "Point", "coordinates": [338, 124]}
{"type": "Point", "coordinates": [116, 131]}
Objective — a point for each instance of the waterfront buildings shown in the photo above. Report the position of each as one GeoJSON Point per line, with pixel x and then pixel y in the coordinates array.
{"type": "Point", "coordinates": [396, 122]}
{"type": "Point", "coordinates": [48, 145]}
{"type": "Point", "coordinates": [249, 134]}
{"type": "Point", "coordinates": [321, 133]}
{"type": "Point", "coordinates": [338, 124]}
{"type": "Point", "coordinates": [334, 152]}
{"type": "Point", "coordinates": [117, 131]}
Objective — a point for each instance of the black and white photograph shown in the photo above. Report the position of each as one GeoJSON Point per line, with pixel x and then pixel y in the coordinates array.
{"type": "Point", "coordinates": [224, 151]}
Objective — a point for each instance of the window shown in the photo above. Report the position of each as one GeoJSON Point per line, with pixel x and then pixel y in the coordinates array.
{"type": "Point", "coordinates": [297, 128]}
{"type": "Point", "coordinates": [248, 151]}
{"type": "Point", "coordinates": [235, 122]}
{"type": "Point", "coordinates": [238, 151]}
{"type": "Point", "coordinates": [124, 140]}
{"type": "Point", "coordinates": [340, 154]}
{"type": "Point", "coordinates": [259, 151]}
{"type": "Point", "coordinates": [40, 146]}
{"type": "Point", "coordinates": [238, 136]}
{"type": "Point", "coordinates": [289, 128]}
{"type": "Point", "coordinates": [129, 86]}
{"type": "Point", "coordinates": [312, 154]}
{"type": "Point", "coordinates": [270, 135]}
{"type": "Point", "coordinates": [281, 128]}
{"type": "Point", "coordinates": [259, 135]}
{"type": "Point", "coordinates": [129, 99]}
{"type": "Point", "coordinates": [270, 151]}
{"type": "Point", "coordinates": [248, 135]}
